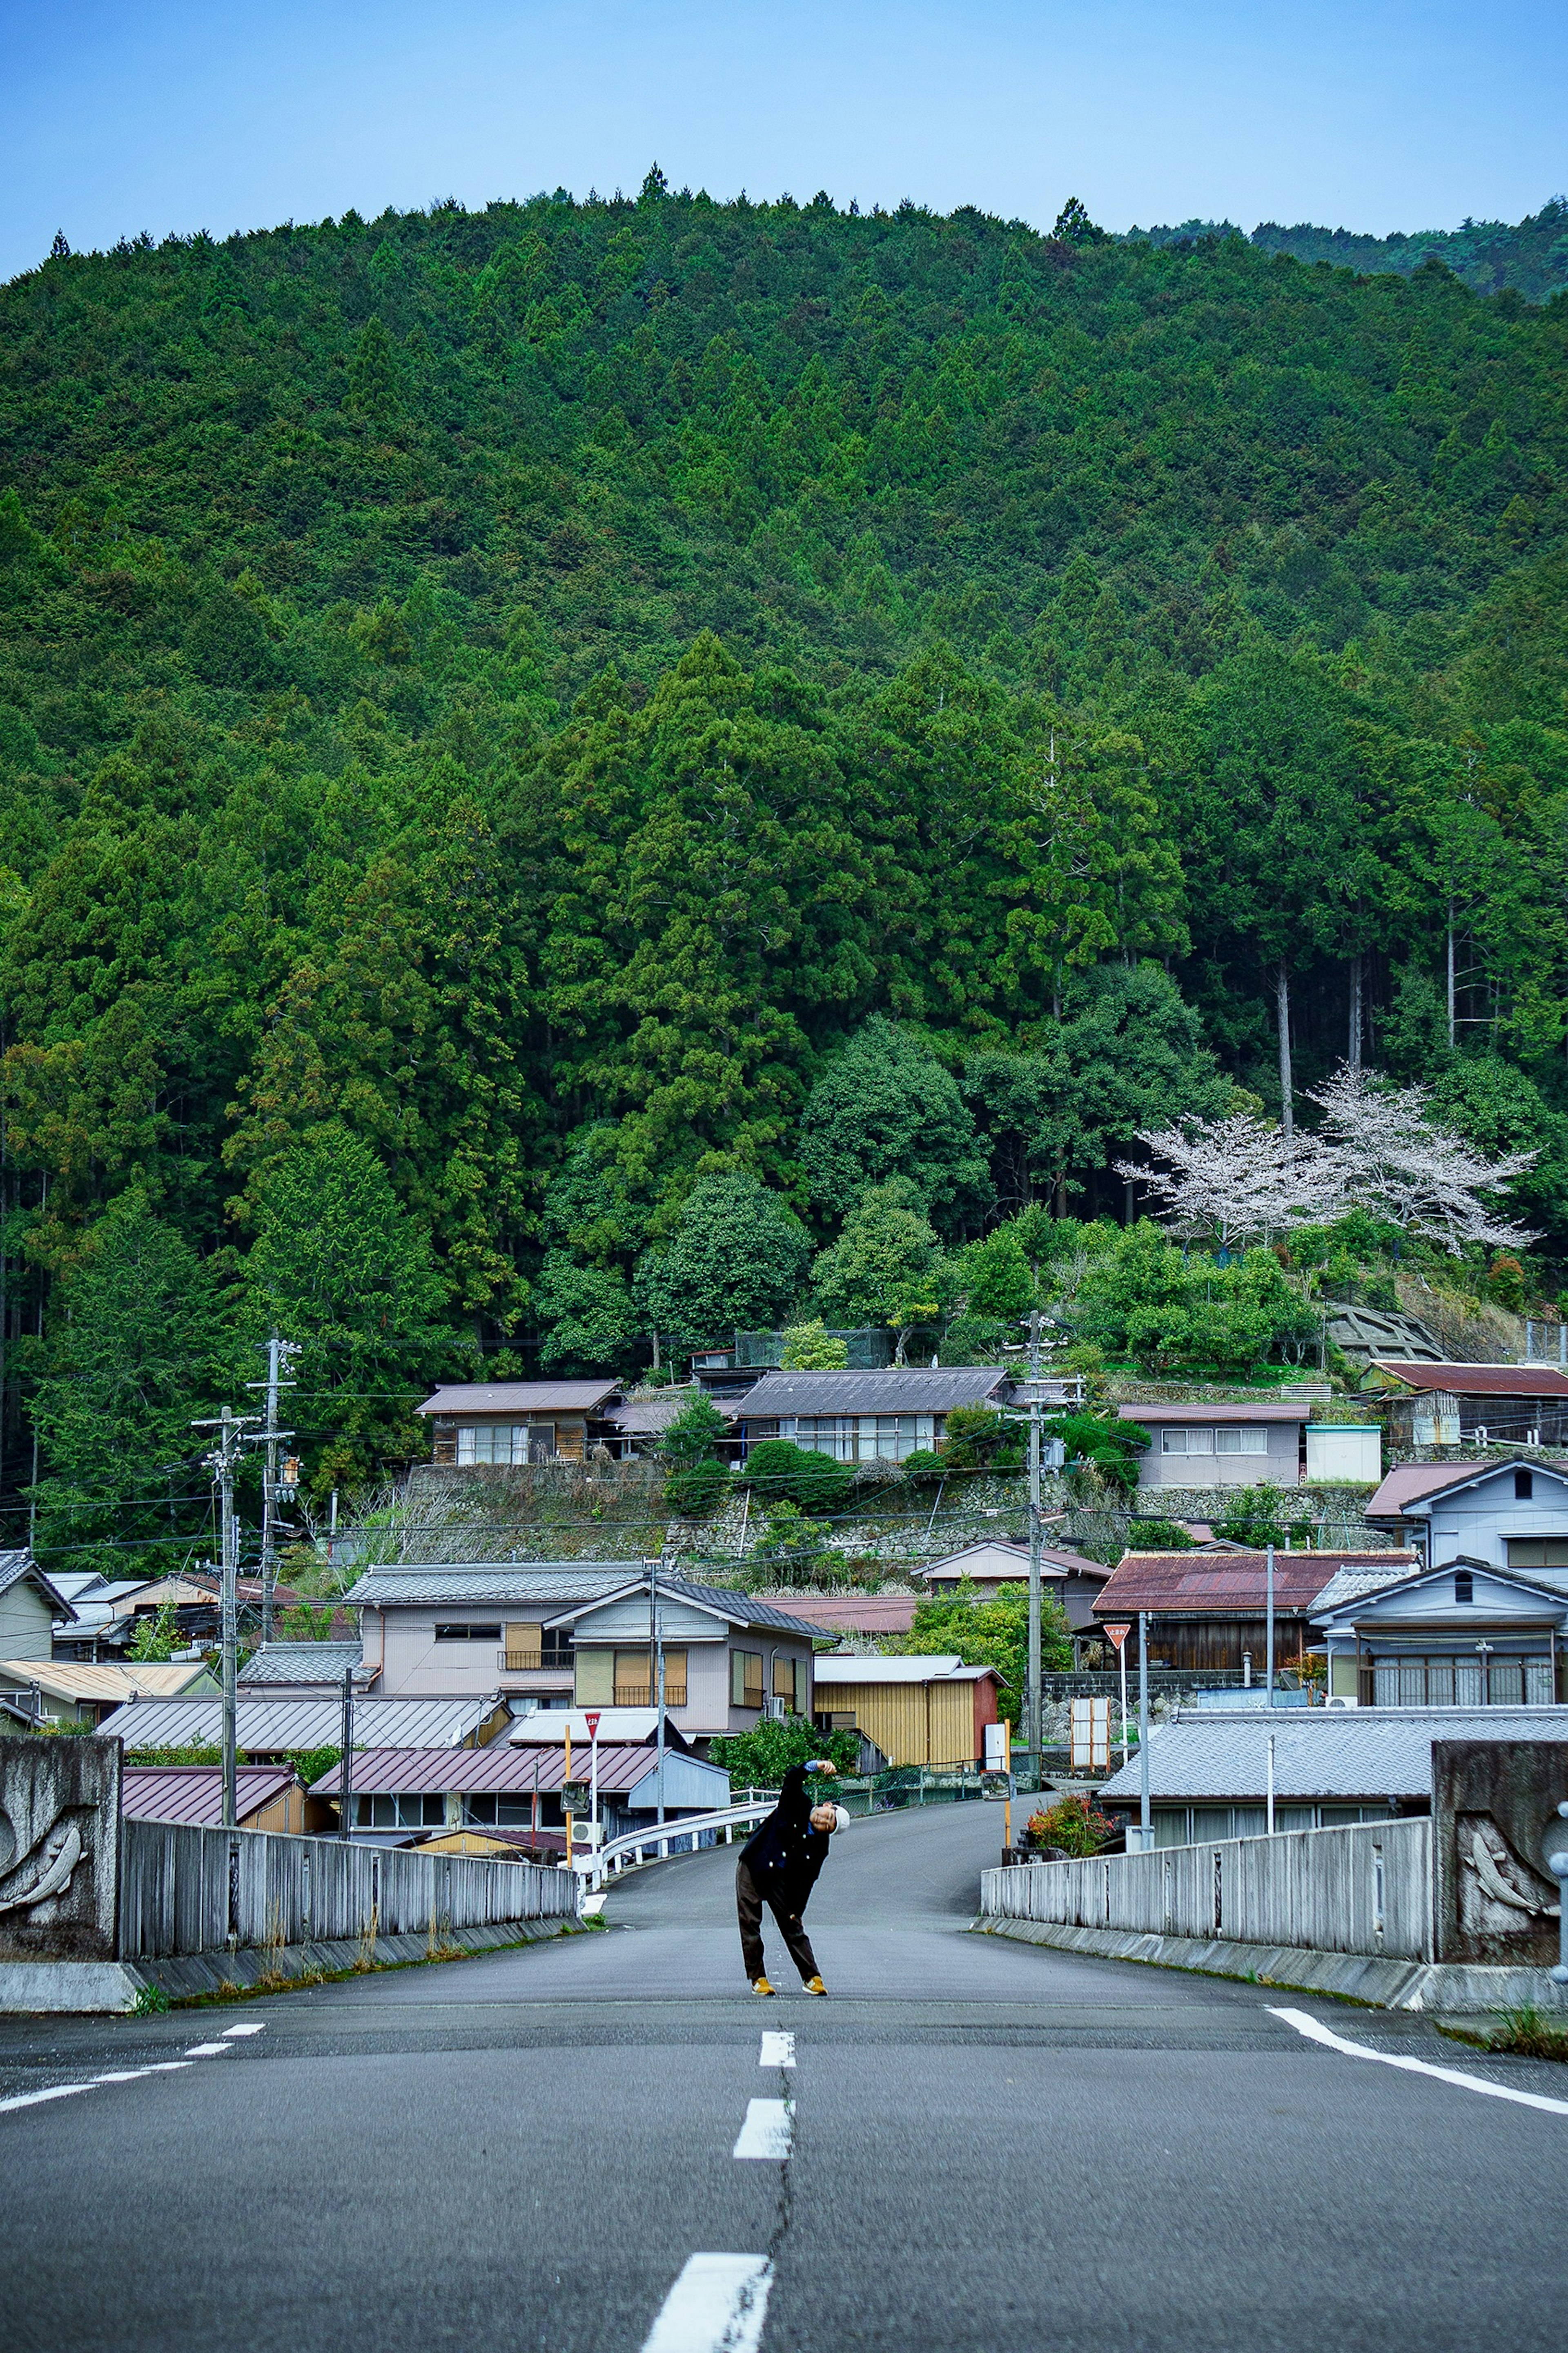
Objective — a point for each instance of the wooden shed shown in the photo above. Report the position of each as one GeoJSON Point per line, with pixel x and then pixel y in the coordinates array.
{"type": "Point", "coordinates": [925, 1709]}
{"type": "Point", "coordinates": [513, 1422]}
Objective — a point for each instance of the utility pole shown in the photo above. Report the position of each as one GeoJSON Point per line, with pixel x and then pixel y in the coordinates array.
{"type": "Point", "coordinates": [1146, 1832]}
{"type": "Point", "coordinates": [278, 1352]}
{"type": "Point", "coordinates": [228, 1425]}
{"type": "Point", "coordinates": [346, 1769]}
{"type": "Point", "coordinates": [656, 1631]}
{"type": "Point", "coordinates": [1033, 1711]}
{"type": "Point", "coordinates": [1268, 1699]}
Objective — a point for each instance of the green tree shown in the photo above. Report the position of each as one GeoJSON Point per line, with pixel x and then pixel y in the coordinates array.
{"type": "Point", "coordinates": [591, 1324]}
{"type": "Point", "coordinates": [695, 1478]}
{"type": "Point", "coordinates": [993, 1633]}
{"type": "Point", "coordinates": [778, 1471]}
{"type": "Point", "coordinates": [735, 1262]}
{"type": "Point", "coordinates": [812, 1348]}
{"type": "Point", "coordinates": [885, 1107]}
{"type": "Point", "coordinates": [338, 1266]}
{"type": "Point", "coordinates": [140, 1345]}
{"type": "Point", "coordinates": [886, 1266]}
{"type": "Point", "coordinates": [760, 1759]}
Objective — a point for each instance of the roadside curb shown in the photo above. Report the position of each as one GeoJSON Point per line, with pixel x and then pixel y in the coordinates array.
{"type": "Point", "coordinates": [1444, 1989]}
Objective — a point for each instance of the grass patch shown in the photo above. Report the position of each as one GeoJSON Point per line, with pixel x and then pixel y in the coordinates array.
{"type": "Point", "coordinates": [1525, 2034]}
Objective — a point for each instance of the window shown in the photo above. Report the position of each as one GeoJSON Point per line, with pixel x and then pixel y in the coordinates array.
{"type": "Point", "coordinates": [745, 1679]}
{"type": "Point", "coordinates": [465, 1632]}
{"type": "Point", "coordinates": [511, 1811]}
{"type": "Point", "coordinates": [1464, 1588]}
{"type": "Point", "coordinates": [424, 1810]}
{"type": "Point", "coordinates": [1186, 1441]}
{"type": "Point", "coordinates": [1523, 1486]}
{"type": "Point", "coordinates": [493, 1441]}
{"type": "Point", "coordinates": [862, 1437]}
{"type": "Point", "coordinates": [826, 1433]}
{"type": "Point", "coordinates": [529, 1646]}
{"type": "Point", "coordinates": [1230, 1438]}
{"type": "Point", "coordinates": [1538, 1552]}
{"type": "Point", "coordinates": [783, 1679]}
{"type": "Point", "coordinates": [635, 1672]}
{"type": "Point", "coordinates": [803, 1686]}
{"type": "Point", "coordinates": [1240, 1440]}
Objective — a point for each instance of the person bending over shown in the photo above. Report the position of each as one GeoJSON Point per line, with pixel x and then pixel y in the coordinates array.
{"type": "Point", "coordinates": [778, 1867]}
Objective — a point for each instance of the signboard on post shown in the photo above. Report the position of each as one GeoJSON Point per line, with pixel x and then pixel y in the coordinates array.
{"type": "Point", "coordinates": [591, 1718]}
{"type": "Point", "coordinates": [1118, 1634]}
{"type": "Point", "coordinates": [575, 1797]}
{"type": "Point", "coordinates": [1090, 1736]}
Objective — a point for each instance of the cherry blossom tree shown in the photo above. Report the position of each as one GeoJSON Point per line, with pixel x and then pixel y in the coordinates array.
{"type": "Point", "coordinates": [1398, 1162]}
{"type": "Point", "coordinates": [1238, 1180]}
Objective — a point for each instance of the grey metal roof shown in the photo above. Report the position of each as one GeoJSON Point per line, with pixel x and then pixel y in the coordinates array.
{"type": "Point", "coordinates": [1375, 1752]}
{"type": "Point", "coordinates": [554, 1583]}
{"type": "Point", "coordinates": [914, 1389]}
{"type": "Point", "coordinates": [267, 1726]}
{"type": "Point", "coordinates": [17, 1565]}
{"type": "Point", "coordinates": [301, 1663]}
{"type": "Point", "coordinates": [520, 1396]}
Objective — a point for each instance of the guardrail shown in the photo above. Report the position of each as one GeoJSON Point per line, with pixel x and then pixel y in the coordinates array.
{"type": "Point", "coordinates": [668, 1838]}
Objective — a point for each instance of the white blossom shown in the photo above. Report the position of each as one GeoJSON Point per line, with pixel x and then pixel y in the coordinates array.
{"type": "Point", "coordinates": [1399, 1163]}
{"type": "Point", "coordinates": [1237, 1179]}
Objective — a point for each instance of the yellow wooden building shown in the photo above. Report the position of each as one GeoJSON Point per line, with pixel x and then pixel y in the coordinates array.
{"type": "Point", "coordinates": [925, 1709]}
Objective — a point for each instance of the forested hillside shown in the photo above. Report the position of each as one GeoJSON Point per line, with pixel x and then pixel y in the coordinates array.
{"type": "Point", "coordinates": [507, 717]}
{"type": "Point", "coordinates": [1528, 256]}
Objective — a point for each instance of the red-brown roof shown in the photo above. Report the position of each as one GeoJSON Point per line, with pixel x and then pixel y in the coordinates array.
{"type": "Point", "coordinates": [879, 1613]}
{"type": "Point", "coordinates": [193, 1794]}
{"type": "Point", "coordinates": [1478, 1380]}
{"type": "Point", "coordinates": [1226, 1584]}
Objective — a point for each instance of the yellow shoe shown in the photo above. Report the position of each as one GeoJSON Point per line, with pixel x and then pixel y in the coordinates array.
{"type": "Point", "coordinates": [760, 1985]}
{"type": "Point", "coordinates": [815, 1985]}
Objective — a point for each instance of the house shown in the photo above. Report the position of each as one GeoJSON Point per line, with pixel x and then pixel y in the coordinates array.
{"type": "Point", "coordinates": [270, 1798]}
{"type": "Point", "coordinates": [1209, 1610]}
{"type": "Point", "coordinates": [31, 1605]}
{"type": "Point", "coordinates": [395, 1792]}
{"type": "Point", "coordinates": [1512, 1514]}
{"type": "Point", "coordinates": [69, 1690]}
{"type": "Point", "coordinates": [519, 1422]}
{"type": "Point", "coordinates": [552, 1634]}
{"type": "Point", "coordinates": [877, 1417]}
{"type": "Point", "coordinates": [1471, 1405]}
{"type": "Point", "coordinates": [1222, 1445]}
{"type": "Point", "coordinates": [918, 1710]}
{"type": "Point", "coordinates": [635, 1425]}
{"type": "Point", "coordinates": [272, 1730]}
{"type": "Point", "coordinates": [996, 1563]}
{"type": "Point", "coordinates": [1463, 1635]}
{"type": "Point", "coordinates": [1209, 1775]}
{"type": "Point", "coordinates": [304, 1670]}
{"type": "Point", "coordinates": [95, 1604]}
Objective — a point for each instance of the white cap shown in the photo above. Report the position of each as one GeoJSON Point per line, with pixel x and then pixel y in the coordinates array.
{"type": "Point", "coordinates": [843, 1814]}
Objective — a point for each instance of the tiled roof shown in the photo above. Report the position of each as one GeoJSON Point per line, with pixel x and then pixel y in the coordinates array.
{"type": "Point", "coordinates": [1369, 1752]}
{"type": "Point", "coordinates": [520, 1396]}
{"type": "Point", "coordinates": [301, 1663]}
{"type": "Point", "coordinates": [15, 1566]}
{"type": "Point", "coordinates": [914, 1389]}
{"type": "Point", "coordinates": [269, 1725]}
{"type": "Point", "coordinates": [554, 1584]}
{"type": "Point", "coordinates": [1226, 1584]}
{"type": "Point", "coordinates": [1476, 1380]}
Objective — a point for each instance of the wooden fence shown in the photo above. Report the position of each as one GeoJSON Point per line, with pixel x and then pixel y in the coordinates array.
{"type": "Point", "coordinates": [1366, 1888]}
{"type": "Point", "coordinates": [197, 1891]}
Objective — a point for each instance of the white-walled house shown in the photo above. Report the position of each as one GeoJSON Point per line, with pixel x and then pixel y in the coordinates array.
{"type": "Point", "coordinates": [1512, 1515]}
{"type": "Point", "coordinates": [559, 1634]}
{"type": "Point", "coordinates": [1464, 1635]}
{"type": "Point", "coordinates": [1222, 1445]}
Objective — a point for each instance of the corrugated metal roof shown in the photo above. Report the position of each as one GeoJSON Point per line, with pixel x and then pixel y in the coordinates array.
{"type": "Point", "coordinates": [1188, 1414]}
{"type": "Point", "coordinates": [301, 1663]}
{"type": "Point", "coordinates": [1368, 1753]}
{"type": "Point", "coordinates": [874, 1613]}
{"type": "Point", "coordinates": [1231, 1584]}
{"type": "Point", "coordinates": [934, 1667]}
{"type": "Point", "coordinates": [267, 1726]}
{"type": "Point", "coordinates": [554, 1584]}
{"type": "Point", "coordinates": [933, 1389]}
{"type": "Point", "coordinates": [193, 1794]}
{"type": "Point", "coordinates": [1476, 1380]}
{"type": "Point", "coordinates": [520, 1396]}
{"type": "Point", "coordinates": [1412, 1482]}
{"type": "Point", "coordinates": [386, 1771]}
{"type": "Point", "coordinates": [66, 1679]}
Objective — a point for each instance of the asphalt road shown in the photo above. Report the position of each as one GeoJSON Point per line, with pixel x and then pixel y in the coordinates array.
{"type": "Point", "coordinates": [989, 2146]}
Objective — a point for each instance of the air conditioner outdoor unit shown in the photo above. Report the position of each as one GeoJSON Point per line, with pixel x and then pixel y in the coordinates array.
{"type": "Point", "coordinates": [1341, 1701]}
{"type": "Point", "coordinates": [776, 1707]}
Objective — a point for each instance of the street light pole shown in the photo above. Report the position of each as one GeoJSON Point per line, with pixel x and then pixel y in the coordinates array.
{"type": "Point", "coordinates": [656, 1628]}
{"type": "Point", "coordinates": [1268, 1699]}
{"type": "Point", "coordinates": [228, 1426]}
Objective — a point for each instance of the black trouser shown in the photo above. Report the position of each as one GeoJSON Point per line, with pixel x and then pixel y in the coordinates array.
{"type": "Point", "coordinates": [748, 1902]}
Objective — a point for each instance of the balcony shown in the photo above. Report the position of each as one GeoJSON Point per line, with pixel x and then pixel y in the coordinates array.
{"type": "Point", "coordinates": [641, 1695]}
{"type": "Point", "coordinates": [529, 1663]}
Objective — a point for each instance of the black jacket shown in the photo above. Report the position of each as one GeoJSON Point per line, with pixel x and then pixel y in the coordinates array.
{"type": "Point", "coordinates": [786, 1854]}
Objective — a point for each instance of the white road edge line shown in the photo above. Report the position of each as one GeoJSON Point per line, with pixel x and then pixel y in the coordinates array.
{"type": "Point", "coordinates": [717, 2306]}
{"type": "Point", "coordinates": [68, 2091]}
{"type": "Point", "coordinates": [1316, 2031]}
{"type": "Point", "coordinates": [766, 2131]}
{"type": "Point", "coordinates": [257, 2027]}
{"type": "Point", "coordinates": [778, 2050]}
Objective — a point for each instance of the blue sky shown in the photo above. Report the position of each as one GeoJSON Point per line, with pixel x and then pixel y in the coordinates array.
{"type": "Point", "coordinates": [1381, 115]}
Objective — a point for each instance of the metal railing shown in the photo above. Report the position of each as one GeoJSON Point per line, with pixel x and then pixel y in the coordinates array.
{"type": "Point", "coordinates": [663, 1840]}
{"type": "Point", "coordinates": [528, 1662]}
{"type": "Point", "coordinates": [641, 1695]}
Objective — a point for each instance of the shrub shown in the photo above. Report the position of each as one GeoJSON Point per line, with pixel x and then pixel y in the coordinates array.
{"type": "Point", "coordinates": [1158, 1536]}
{"type": "Point", "coordinates": [777, 1471]}
{"type": "Point", "coordinates": [692, 1493]}
{"type": "Point", "coordinates": [1109, 1445]}
{"type": "Point", "coordinates": [979, 1438]}
{"type": "Point", "coordinates": [759, 1759]}
{"type": "Point", "coordinates": [694, 1477]}
{"type": "Point", "coordinates": [812, 1348]}
{"type": "Point", "coordinates": [1075, 1824]}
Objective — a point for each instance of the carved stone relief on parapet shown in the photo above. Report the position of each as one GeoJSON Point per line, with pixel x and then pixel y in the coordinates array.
{"type": "Point", "coordinates": [60, 1836]}
{"type": "Point", "coordinates": [1494, 1822]}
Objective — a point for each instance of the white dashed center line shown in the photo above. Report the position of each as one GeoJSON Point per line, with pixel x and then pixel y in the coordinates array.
{"type": "Point", "coordinates": [69, 2091]}
{"type": "Point", "coordinates": [257, 2026]}
{"type": "Point", "coordinates": [766, 2131]}
{"type": "Point", "coordinates": [209, 2049]}
{"type": "Point", "coordinates": [778, 2050]}
{"type": "Point", "coordinates": [717, 2306]}
{"type": "Point", "coordinates": [1316, 2031]}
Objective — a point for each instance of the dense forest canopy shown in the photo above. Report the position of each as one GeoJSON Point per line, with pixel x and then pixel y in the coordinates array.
{"type": "Point", "coordinates": [530, 739]}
